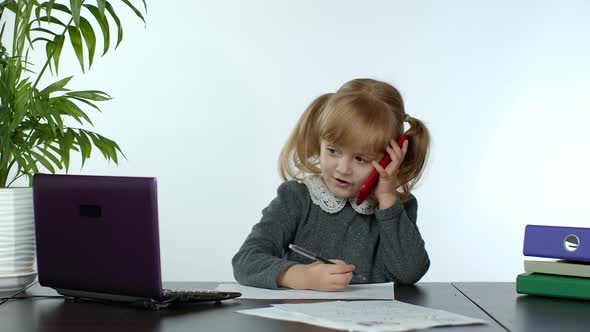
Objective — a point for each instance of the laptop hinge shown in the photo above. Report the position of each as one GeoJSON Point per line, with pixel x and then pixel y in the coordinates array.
{"type": "Point", "coordinates": [100, 296]}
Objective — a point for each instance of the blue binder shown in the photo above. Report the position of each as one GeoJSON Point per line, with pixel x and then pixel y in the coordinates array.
{"type": "Point", "coordinates": [572, 243]}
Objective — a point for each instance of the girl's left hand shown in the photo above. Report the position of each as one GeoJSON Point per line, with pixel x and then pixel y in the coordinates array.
{"type": "Point", "coordinates": [385, 190]}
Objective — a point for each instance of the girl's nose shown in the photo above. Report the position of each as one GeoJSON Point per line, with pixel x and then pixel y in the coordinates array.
{"type": "Point", "coordinates": [343, 167]}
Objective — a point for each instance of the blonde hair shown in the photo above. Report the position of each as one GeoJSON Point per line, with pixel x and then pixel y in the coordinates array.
{"type": "Point", "coordinates": [363, 112]}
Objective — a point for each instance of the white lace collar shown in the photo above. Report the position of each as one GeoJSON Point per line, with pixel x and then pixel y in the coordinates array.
{"type": "Point", "coordinates": [322, 197]}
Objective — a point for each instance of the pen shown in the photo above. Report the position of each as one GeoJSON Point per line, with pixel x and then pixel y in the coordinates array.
{"type": "Point", "coordinates": [309, 254]}
{"type": "Point", "coordinates": [314, 256]}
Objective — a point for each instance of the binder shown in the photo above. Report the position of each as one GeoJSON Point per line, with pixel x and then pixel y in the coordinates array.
{"type": "Point", "coordinates": [560, 267]}
{"type": "Point", "coordinates": [570, 243]}
{"type": "Point", "coordinates": [553, 285]}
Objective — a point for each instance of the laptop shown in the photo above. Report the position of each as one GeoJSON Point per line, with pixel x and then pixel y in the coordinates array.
{"type": "Point", "coordinates": [97, 239]}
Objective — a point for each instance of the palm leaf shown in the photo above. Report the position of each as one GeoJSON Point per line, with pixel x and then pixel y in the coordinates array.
{"type": "Point", "coordinates": [49, 6]}
{"type": "Point", "coordinates": [99, 144]}
{"type": "Point", "coordinates": [89, 38]}
{"type": "Point", "coordinates": [57, 86]}
{"type": "Point", "coordinates": [90, 95]}
{"type": "Point", "coordinates": [101, 5]}
{"type": "Point", "coordinates": [85, 146]}
{"type": "Point", "coordinates": [47, 31]}
{"type": "Point", "coordinates": [66, 143]}
{"type": "Point", "coordinates": [67, 107]}
{"type": "Point", "coordinates": [43, 161]}
{"type": "Point", "coordinates": [85, 102]}
{"type": "Point", "coordinates": [76, 5]}
{"type": "Point", "coordinates": [117, 22]}
{"type": "Point", "coordinates": [58, 43]}
{"type": "Point", "coordinates": [102, 23]}
{"type": "Point", "coordinates": [76, 40]}
{"type": "Point", "coordinates": [49, 53]}
{"type": "Point", "coordinates": [50, 19]}
{"type": "Point", "coordinates": [135, 10]}
{"type": "Point", "coordinates": [55, 160]}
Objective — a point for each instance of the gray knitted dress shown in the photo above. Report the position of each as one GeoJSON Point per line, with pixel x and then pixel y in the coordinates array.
{"type": "Point", "coordinates": [384, 245]}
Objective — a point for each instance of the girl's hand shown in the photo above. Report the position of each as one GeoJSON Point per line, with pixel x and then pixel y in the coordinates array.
{"type": "Point", "coordinates": [385, 190]}
{"type": "Point", "coordinates": [328, 277]}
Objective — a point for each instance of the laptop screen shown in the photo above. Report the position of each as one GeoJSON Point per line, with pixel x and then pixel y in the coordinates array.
{"type": "Point", "coordinates": [98, 234]}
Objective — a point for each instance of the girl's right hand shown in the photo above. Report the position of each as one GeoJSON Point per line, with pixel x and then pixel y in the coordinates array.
{"type": "Point", "coordinates": [328, 277]}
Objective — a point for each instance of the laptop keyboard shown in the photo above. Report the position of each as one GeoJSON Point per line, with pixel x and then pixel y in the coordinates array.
{"type": "Point", "coordinates": [197, 295]}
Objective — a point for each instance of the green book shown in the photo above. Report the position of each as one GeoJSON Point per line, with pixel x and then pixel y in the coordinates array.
{"type": "Point", "coordinates": [553, 285]}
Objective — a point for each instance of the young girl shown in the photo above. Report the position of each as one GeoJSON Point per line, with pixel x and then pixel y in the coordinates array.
{"type": "Point", "coordinates": [338, 141]}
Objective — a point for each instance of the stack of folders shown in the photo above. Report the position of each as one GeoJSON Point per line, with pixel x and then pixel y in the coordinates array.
{"type": "Point", "coordinates": [565, 269]}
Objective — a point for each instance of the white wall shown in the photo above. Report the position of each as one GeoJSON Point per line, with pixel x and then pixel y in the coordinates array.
{"type": "Point", "coordinates": [206, 94]}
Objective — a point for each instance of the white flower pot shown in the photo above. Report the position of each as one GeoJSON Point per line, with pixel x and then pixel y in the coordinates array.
{"type": "Point", "coordinates": [17, 232]}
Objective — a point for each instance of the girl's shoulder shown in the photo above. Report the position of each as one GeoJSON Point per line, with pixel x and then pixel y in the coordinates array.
{"type": "Point", "coordinates": [293, 190]}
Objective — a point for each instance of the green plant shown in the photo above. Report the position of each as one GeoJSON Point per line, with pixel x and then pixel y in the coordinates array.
{"type": "Point", "coordinates": [33, 121]}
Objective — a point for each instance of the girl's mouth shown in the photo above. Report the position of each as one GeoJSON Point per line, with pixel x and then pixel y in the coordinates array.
{"type": "Point", "coordinates": [341, 183]}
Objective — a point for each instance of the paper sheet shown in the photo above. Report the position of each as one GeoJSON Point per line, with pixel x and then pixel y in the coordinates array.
{"type": "Point", "coordinates": [382, 291]}
{"type": "Point", "coordinates": [370, 316]}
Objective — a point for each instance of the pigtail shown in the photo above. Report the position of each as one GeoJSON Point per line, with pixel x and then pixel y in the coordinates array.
{"type": "Point", "coordinates": [412, 167]}
{"type": "Point", "coordinates": [299, 155]}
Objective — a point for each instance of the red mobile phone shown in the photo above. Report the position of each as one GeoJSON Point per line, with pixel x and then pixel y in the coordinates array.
{"type": "Point", "coordinates": [372, 180]}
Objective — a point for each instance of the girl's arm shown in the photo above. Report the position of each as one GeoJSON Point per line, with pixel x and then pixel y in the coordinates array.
{"type": "Point", "coordinates": [401, 247]}
{"type": "Point", "coordinates": [259, 260]}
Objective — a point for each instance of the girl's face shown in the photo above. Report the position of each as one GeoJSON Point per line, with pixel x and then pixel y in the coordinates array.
{"type": "Point", "coordinates": [344, 169]}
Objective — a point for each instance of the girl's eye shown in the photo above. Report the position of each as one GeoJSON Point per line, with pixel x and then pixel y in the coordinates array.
{"type": "Point", "coordinates": [361, 160]}
{"type": "Point", "coordinates": [331, 150]}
